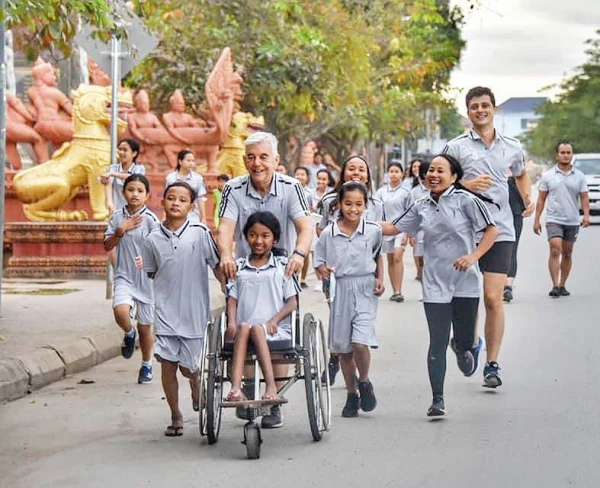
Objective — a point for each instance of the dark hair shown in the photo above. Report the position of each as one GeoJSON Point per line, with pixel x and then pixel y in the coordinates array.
{"type": "Point", "coordinates": [560, 143]}
{"type": "Point", "coordinates": [395, 164]}
{"type": "Point", "coordinates": [302, 168]}
{"type": "Point", "coordinates": [181, 184]}
{"type": "Point", "coordinates": [456, 169]}
{"type": "Point", "coordinates": [479, 91]}
{"type": "Point", "coordinates": [134, 145]}
{"type": "Point", "coordinates": [423, 169]}
{"type": "Point", "coordinates": [223, 177]}
{"type": "Point", "coordinates": [350, 186]}
{"type": "Point", "coordinates": [330, 178]}
{"type": "Point", "coordinates": [268, 220]}
{"type": "Point", "coordinates": [137, 177]}
{"type": "Point", "coordinates": [180, 155]}
{"type": "Point", "coordinates": [409, 172]}
{"type": "Point", "coordinates": [343, 171]}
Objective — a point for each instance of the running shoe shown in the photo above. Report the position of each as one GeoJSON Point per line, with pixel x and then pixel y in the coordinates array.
{"type": "Point", "coordinates": [475, 352]}
{"type": "Point", "coordinates": [563, 291]}
{"type": "Point", "coordinates": [352, 406]}
{"type": "Point", "coordinates": [303, 284]}
{"type": "Point", "coordinates": [399, 298]}
{"type": "Point", "coordinates": [555, 292]}
{"type": "Point", "coordinates": [393, 297]}
{"type": "Point", "coordinates": [368, 402]}
{"type": "Point", "coordinates": [491, 375]}
{"type": "Point", "coordinates": [145, 375]}
{"type": "Point", "coordinates": [508, 294]}
{"type": "Point", "coordinates": [128, 345]}
{"type": "Point", "coordinates": [464, 359]}
{"type": "Point", "coordinates": [437, 408]}
{"type": "Point", "coordinates": [274, 420]}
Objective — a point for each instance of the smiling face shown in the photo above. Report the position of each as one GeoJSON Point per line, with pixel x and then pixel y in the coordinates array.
{"type": "Point", "coordinates": [177, 203]}
{"type": "Point", "coordinates": [125, 153]}
{"type": "Point", "coordinates": [136, 195]}
{"type": "Point", "coordinates": [301, 176]}
{"type": "Point", "coordinates": [356, 170]}
{"type": "Point", "coordinates": [261, 240]}
{"type": "Point", "coordinates": [322, 181]}
{"type": "Point", "coordinates": [481, 111]}
{"type": "Point", "coordinates": [352, 206]}
{"type": "Point", "coordinates": [261, 163]}
{"type": "Point", "coordinates": [415, 168]}
{"type": "Point", "coordinates": [439, 176]}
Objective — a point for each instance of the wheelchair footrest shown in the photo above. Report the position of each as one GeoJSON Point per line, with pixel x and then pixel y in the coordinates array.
{"type": "Point", "coordinates": [254, 403]}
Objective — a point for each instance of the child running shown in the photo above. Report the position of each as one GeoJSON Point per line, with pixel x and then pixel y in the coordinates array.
{"type": "Point", "coordinates": [450, 218]}
{"type": "Point", "coordinates": [303, 176]}
{"type": "Point", "coordinates": [259, 301]}
{"type": "Point", "coordinates": [416, 193]}
{"type": "Point", "coordinates": [186, 163]}
{"type": "Point", "coordinates": [176, 256]}
{"type": "Point", "coordinates": [127, 230]}
{"type": "Point", "coordinates": [349, 248]}
{"type": "Point", "coordinates": [355, 168]}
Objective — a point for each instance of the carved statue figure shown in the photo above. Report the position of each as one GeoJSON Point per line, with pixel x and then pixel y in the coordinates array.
{"type": "Point", "coordinates": [53, 108]}
{"type": "Point", "coordinates": [44, 189]}
{"type": "Point", "coordinates": [96, 74]}
{"type": "Point", "coordinates": [19, 128]}
{"type": "Point", "coordinates": [231, 156]}
{"type": "Point", "coordinates": [146, 127]}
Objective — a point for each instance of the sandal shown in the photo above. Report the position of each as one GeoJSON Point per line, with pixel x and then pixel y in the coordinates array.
{"type": "Point", "coordinates": [172, 431]}
{"type": "Point", "coordinates": [236, 395]}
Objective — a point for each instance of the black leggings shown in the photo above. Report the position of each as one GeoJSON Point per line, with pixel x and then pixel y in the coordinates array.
{"type": "Point", "coordinates": [518, 223]}
{"type": "Point", "coordinates": [461, 314]}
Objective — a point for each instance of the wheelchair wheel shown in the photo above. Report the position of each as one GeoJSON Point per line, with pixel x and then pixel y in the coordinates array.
{"type": "Point", "coordinates": [214, 393]}
{"type": "Point", "coordinates": [317, 401]}
{"type": "Point", "coordinates": [324, 390]}
{"type": "Point", "coordinates": [203, 380]}
{"type": "Point", "coordinates": [253, 440]}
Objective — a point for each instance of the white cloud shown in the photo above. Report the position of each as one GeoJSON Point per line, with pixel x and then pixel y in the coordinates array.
{"type": "Point", "coordinates": [517, 47]}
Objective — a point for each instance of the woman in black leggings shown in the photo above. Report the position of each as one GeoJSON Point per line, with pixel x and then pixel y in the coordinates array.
{"type": "Point", "coordinates": [450, 219]}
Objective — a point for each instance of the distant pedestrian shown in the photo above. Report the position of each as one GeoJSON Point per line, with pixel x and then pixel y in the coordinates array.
{"type": "Point", "coordinates": [186, 163]}
{"type": "Point", "coordinates": [562, 186]}
{"type": "Point", "coordinates": [177, 256]}
{"type": "Point", "coordinates": [417, 192]}
{"type": "Point", "coordinates": [127, 231]}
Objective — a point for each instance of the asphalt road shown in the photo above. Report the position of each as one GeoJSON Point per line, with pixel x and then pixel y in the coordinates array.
{"type": "Point", "coordinates": [539, 429]}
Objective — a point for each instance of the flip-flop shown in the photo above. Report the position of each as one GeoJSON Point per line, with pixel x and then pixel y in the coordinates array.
{"type": "Point", "coordinates": [173, 431]}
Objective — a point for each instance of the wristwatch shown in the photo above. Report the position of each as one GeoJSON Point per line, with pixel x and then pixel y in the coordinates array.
{"type": "Point", "coordinates": [299, 253]}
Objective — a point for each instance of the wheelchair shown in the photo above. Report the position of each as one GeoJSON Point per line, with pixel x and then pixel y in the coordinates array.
{"type": "Point", "coordinates": [306, 351]}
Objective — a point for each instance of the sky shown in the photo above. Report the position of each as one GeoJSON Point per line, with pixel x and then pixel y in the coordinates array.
{"type": "Point", "coordinates": [517, 47]}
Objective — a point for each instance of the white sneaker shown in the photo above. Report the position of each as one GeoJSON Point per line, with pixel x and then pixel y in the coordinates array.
{"type": "Point", "coordinates": [318, 287]}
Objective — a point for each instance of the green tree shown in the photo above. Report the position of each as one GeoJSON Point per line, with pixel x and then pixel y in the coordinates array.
{"type": "Point", "coordinates": [51, 24]}
{"type": "Point", "coordinates": [574, 114]}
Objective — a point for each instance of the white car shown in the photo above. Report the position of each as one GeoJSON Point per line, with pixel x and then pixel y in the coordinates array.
{"type": "Point", "coordinates": [589, 165]}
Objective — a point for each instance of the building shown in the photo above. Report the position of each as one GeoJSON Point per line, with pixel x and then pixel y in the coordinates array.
{"type": "Point", "coordinates": [517, 115]}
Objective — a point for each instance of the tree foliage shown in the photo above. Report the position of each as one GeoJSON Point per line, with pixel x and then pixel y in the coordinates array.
{"type": "Point", "coordinates": [574, 114]}
{"type": "Point", "coordinates": [51, 24]}
{"type": "Point", "coordinates": [346, 69]}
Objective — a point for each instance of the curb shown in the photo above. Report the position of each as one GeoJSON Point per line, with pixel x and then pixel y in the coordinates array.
{"type": "Point", "coordinates": [24, 374]}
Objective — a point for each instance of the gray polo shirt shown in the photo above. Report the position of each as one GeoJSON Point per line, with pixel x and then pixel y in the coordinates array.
{"type": "Point", "coordinates": [193, 179]}
{"type": "Point", "coordinates": [375, 211]}
{"type": "Point", "coordinates": [131, 246]}
{"type": "Point", "coordinates": [261, 292]}
{"type": "Point", "coordinates": [117, 183]}
{"type": "Point", "coordinates": [563, 190]}
{"type": "Point", "coordinates": [395, 200]}
{"type": "Point", "coordinates": [477, 159]}
{"type": "Point", "coordinates": [285, 200]}
{"type": "Point", "coordinates": [449, 227]}
{"type": "Point", "coordinates": [353, 255]}
{"type": "Point", "coordinates": [180, 261]}
{"type": "Point", "coordinates": [417, 192]}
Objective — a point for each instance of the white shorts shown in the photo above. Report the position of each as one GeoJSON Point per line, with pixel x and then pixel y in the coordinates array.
{"type": "Point", "coordinates": [125, 294]}
{"type": "Point", "coordinates": [180, 350]}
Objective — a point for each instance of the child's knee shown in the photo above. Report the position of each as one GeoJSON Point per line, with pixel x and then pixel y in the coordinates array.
{"type": "Point", "coordinates": [243, 328]}
{"type": "Point", "coordinates": [258, 332]}
{"type": "Point", "coordinates": [360, 348]}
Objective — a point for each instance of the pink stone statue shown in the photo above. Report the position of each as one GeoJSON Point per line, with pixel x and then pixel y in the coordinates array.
{"type": "Point", "coordinates": [53, 108]}
{"type": "Point", "coordinates": [19, 128]}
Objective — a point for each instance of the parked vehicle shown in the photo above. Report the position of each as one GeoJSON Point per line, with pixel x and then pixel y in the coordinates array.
{"type": "Point", "coordinates": [589, 165]}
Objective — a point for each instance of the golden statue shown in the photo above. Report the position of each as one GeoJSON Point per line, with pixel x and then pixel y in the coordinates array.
{"type": "Point", "coordinates": [46, 188]}
{"type": "Point", "coordinates": [231, 156]}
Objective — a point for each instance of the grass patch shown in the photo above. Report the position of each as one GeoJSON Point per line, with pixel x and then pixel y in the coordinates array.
{"type": "Point", "coordinates": [39, 291]}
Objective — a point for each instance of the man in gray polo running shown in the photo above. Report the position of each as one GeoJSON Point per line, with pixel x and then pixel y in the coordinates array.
{"type": "Point", "coordinates": [562, 186]}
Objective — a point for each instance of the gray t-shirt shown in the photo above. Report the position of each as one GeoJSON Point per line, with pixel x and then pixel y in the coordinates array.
{"type": "Point", "coordinates": [504, 155]}
{"type": "Point", "coordinates": [179, 261]}
{"type": "Point", "coordinates": [117, 183]}
{"type": "Point", "coordinates": [262, 292]}
{"type": "Point", "coordinates": [449, 229]}
{"type": "Point", "coordinates": [563, 190]}
{"type": "Point", "coordinates": [374, 212]}
{"type": "Point", "coordinates": [286, 200]}
{"type": "Point", "coordinates": [353, 255]}
{"type": "Point", "coordinates": [131, 246]}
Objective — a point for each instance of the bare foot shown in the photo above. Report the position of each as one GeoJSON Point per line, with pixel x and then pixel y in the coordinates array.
{"type": "Point", "coordinates": [235, 395]}
{"type": "Point", "coordinates": [270, 393]}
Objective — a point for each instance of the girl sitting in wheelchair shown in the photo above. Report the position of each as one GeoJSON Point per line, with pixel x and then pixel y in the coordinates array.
{"type": "Point", "coordinates": [260, 302]}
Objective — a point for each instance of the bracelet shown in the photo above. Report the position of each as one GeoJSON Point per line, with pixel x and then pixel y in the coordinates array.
{"type": "Point", "coordinates": [299, 253]}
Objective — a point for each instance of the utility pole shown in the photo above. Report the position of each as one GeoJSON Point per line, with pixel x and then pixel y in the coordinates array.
{"type": "Point", "coordinates": [2, 135]}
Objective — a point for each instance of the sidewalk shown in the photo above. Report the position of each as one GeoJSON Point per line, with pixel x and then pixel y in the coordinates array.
{"type": "Point", "coordinates": [53, 328]}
